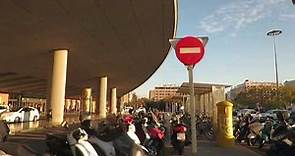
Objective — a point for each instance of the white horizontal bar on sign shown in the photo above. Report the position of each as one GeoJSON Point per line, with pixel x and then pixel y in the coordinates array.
{"type": "Point", "coordinates": [190, 50]}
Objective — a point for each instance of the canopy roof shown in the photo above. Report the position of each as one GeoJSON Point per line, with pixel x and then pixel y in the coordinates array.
{"type": "Point", "coordinates": [124, 40]}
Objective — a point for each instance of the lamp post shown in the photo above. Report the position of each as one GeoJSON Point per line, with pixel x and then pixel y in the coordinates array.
{"type": "Point", "coordinates": [273, 33]}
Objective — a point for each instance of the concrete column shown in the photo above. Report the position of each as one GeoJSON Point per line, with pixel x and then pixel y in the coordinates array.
{"type": "Point", "coordinates": [86, 99]}
{"type": "Point", "coordinates": [206, 103]}
{"type": "Point", "coordinates": [58, 86]}
{"type": "Point", "coordinates": [187, 107]}
{"type": "Point", "coordinates": [202, 103]}
{"type": "Point", "coordinates": [197, 103]}
{"type": "Point", "coordinates": [93, 110]}
{"type": "Point", "coordinates": [73, 105]}
{"type": "Point", "coordinates": [102, 97]}
{"type": "Point", "coordinates": [78, 106]}
{"type": "Point", "coordinates": [217, 96]}
{"type": "Point", "coordinates": [67, 105]}
{"type": "Point", "coordinates": [210, 104]}
{"type": "Point", "coordinates": [121, 104]}
{"type": "Point", "coordinates": [113, 107]}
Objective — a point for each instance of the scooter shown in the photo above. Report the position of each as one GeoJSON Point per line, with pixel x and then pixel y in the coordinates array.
{"type": "Point", "coordinates": [79, 144]}
{"type": "Point", "coordinates": [266, 132]}
{"type": "Point", "coordinates": [178, 138]}
{"type": "Point", "coordinates": [156, 142]}
{"type": "Point", "coordinates": [254, 133]}
{"type": "Point", "coordinates": [283, 142]}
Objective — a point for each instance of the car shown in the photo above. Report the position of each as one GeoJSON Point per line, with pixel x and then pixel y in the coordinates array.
{"type": "Point", "coordinates": [242, 112]}
{"type": "Point", "coordinates": [3, 108]}
{"type": "Point", "coordinates": [21, 115]}
{"type": "Point", "coordinates": [273, 113]}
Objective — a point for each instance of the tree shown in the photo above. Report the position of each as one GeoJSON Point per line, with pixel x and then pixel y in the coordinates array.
{"type": "Point", "coordinates": [266, 97]}
{"type": "Point", "coordinates": [287, 96]}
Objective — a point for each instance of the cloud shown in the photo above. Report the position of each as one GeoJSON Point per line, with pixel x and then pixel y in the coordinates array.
{"type": "Point", "coordinates": [233, 35]}
{"type": "Point", "coordinates": [286, 17]}
{"type": "Point", "coordinates": [238, 14]}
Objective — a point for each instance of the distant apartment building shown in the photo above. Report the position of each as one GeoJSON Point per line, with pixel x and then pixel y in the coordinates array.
{"type": "Point", "coordinates": [165, 91]}
{"type": "Point", "coordinates": [247, 84]}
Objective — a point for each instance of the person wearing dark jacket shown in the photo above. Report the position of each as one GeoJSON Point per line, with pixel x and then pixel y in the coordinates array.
{"type": "Point", "coordinates": [4, 131]}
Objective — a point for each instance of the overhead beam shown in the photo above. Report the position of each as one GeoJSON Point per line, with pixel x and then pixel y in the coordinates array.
{"type": "Point", "coordinates": [18, 78]}
{"type": "Point", "coordinates": [3, 75]}
{"type": "Point", "coordinates": [14, 84]}
{"type": "Point", "coordinates": [24, 86]}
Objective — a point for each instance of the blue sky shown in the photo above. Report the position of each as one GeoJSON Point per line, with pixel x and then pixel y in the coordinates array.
{"type": "Point", "coordinates": [238, 47]}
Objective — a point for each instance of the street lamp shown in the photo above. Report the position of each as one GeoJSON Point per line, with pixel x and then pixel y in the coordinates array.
{"type": "Point", "coordinates": [273, 33]}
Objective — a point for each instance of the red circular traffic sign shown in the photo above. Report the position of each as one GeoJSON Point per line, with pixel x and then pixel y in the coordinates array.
{"type": "Point", "coordinates": [189, 50]}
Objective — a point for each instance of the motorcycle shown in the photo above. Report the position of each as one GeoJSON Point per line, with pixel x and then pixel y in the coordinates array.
{"type": "Point", "coordinates": [283, 142]}
{"type": "Point", "coordinates": [204, 127]}
{"type": "Point", "coordinates": [266, 132]}
{"type": "Point", "coordinates": [254, 133]}
{"type": "Point", "coordinates": [79, 143]}
{"type": "Point", "coordinates": [155, 143]}
{"type": "Point", "coordinates": [178, 138]}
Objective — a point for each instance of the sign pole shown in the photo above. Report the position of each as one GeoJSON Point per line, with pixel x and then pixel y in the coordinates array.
{"type": "Point", "coordinates": [189, 51]}
{"type": "Point", "coordinates": [193, 110]}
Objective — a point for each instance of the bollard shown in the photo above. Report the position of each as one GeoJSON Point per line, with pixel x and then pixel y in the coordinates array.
{"type": "Point", "coordinates": [225, 136]}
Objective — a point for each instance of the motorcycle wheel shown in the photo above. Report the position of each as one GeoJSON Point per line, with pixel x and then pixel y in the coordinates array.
{"type": "Point", "coordinates": [180, 147]}
{"type": "Point", "coordinates": [261, 143]}
{"type": "Point", "coordinates": [210, 134]}
{"type": "Point", "coordinates": [251, 142]}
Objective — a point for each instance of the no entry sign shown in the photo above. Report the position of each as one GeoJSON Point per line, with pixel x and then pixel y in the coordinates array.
{"type": "Point", "coordinates": [189, 50]}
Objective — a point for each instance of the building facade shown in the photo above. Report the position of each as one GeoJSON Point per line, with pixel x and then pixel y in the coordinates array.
{"type": "Point", "coordinates": [4, 98]}
{"type": "Point", "coordinates": [163, 92]}
{"type": "Point", "coordinates": [127, 98]}
{"type": "Point", "coordinates": [247, 85]}
{"type": "Point", "coordinates": [290, 83]}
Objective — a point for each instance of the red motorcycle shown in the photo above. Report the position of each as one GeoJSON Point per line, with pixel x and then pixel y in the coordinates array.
{"type": "Point", "coordinates": [155, 144]}
{"type": "Point", "coordinates": [178, 138]}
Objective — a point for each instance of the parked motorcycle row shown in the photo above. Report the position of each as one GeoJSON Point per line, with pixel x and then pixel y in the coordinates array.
{"type": "Point", "coordinates": [278, 133]}
{"type": "Point", "coordinates": [128, 135]}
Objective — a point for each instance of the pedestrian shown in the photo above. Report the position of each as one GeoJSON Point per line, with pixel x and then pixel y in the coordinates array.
{"type": "Point", "coordinates": [4, 131]}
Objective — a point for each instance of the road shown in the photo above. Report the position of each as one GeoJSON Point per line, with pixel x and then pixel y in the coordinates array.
{"type": "Point", "coordinates": [24, 126]}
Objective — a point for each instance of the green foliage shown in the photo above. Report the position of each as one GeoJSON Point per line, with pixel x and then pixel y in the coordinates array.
{"type": "Point", "coordinates": [266, 97]}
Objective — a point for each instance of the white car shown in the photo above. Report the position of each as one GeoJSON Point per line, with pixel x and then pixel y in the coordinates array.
{"type": "Point", "coordinates": [23, 114]}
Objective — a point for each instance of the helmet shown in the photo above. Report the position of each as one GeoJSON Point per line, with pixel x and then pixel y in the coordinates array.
{"type": "Point", "coordinates": [128, 119]}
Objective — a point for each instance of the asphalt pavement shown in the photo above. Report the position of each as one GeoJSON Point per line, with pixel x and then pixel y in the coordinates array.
{"type": "Point", "coordinates": [210, 148]}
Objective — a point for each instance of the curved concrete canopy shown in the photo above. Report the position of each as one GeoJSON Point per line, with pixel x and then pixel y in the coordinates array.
{"type": "Point", "coordinates": [125, 40]}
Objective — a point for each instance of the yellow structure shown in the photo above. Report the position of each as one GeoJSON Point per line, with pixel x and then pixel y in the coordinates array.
{"type": "Point", "coordinates": [225, 136]}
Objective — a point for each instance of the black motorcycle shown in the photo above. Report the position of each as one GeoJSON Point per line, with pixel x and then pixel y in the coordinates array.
{"type": "Point", "coordinates": [204, 127]}
{"type": "Point", "coordinates": [283, 141]}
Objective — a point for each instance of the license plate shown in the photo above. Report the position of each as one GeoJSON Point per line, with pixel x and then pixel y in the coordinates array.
{"type": "Point", "coordinates": [181, 136]}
